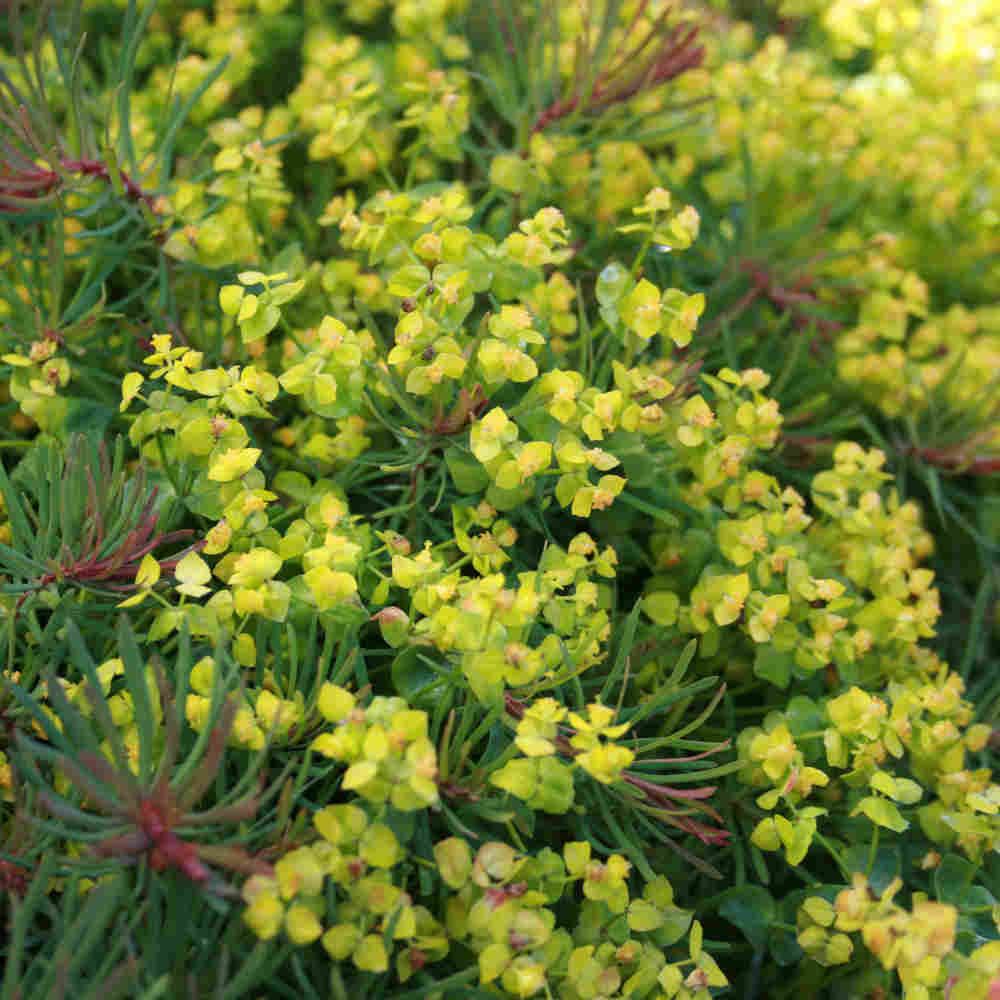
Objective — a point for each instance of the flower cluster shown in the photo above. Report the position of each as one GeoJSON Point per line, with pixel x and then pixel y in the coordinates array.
{"type": "Point", "coordinates": [497, 392]}
{"type": "Point", "coordinates": [385, 746]}
{"type": "Point", "coordinates": [362, 860]}
{"type": "Point", "coordinates": [921, 173]}
{"type": "Point", "coordinates": [912, 942]}
{"type": "Point", "coordinates": [499, 903]}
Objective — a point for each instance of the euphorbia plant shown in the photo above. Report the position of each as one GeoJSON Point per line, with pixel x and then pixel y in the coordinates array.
{"type": "Point", "coordinates": [420, 366]}
{"type": "Point", "coordinates": [81, 519]}
{"type": "Point", "coordinates": [135, 794]}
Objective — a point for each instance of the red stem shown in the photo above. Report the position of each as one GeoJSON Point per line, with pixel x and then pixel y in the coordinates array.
{"type": "Point", "coordinates": [660, 794]}
{"type": "Point", "coordinates": [97, 168]}
{"type": "Point", "coordinates": [677, 54]}
{"type": "Point", "coordinates": [956, 461]}
{"type": "Point", "coordinates": [35, 183]}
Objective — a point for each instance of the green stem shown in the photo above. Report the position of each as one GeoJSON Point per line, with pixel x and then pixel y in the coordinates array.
{"type": "Point", "coordinates": [637, 263]}
{"type": "Point", "coordinates": [415, 154]}
{"type": "Point", "coordinates": [403, 403]}
{"type": "Point", "coordinates": [835, 854]}
{"type": "Point", "coordinates": [287, 327]}
{"type": "Point", "coordinates": [382, 168]}
{"type": "Point", "coordinates": [483, 728]}
{"type": "Point", "coordinates": [459, 979]}
{"type": "Point", "coordinates": [508, 755]}
{"type": "Point", "coordinates": [647, 508]}
{"type": "Point", "coordinates": [873, 852]}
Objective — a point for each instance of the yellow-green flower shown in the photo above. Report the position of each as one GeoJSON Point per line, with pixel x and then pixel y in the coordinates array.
{"type": "Point", "coordinates": [232, 463]}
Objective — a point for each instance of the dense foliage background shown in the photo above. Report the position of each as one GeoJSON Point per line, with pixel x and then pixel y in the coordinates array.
{"type": "Point", "coordinates": [500, 499]}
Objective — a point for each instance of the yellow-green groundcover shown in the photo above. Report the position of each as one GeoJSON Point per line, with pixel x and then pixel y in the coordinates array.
{"type": "Point", "coordinates": [499, 499]}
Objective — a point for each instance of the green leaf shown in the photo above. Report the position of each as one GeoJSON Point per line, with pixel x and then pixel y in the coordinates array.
{"type": "Point", "coordinates": [138, 687]}
{"type": "Point", "coordinates": [676, 922]}
{"type": "Point", "coordinates": [953, 877]}
{"type": "Point", "coordinates": [416, 680]}
{"type": "Point", "coordinates": [882, 812]}
{"type": "Point", "coordinates": [752, 909]}
{"type": "Point", "coordinates": [260, 324]}
{"type": "Point", "coordinates": [888, 863]}
{"type": "Point", "coordinates": [370, 955]}
{"type": "Point", "coordinates": [784, 949]}
{"type": "Point", "coordinates": [555, 791]}
{"type": "Point", "coordinates": [454, 861]}
{"type": "Point", "coordinates": [293, 484]}
{"type": "Point", "coordinates": [493, 959]}
{"type": "Point", "coordinates": [611, 284]}
{"type": "Point", "coordinates": [803, 715]}
{"type": "Point", "coordinates": [408, 280]}
{"type": "Point", "coordinates": [18, 565]}
{"type": "Point", "coordinates": [519, 777]}
{"type": "Point", "coordinates": [466, 473]}
{"type": "Point", "coordinates": [773, 665]}
{"type": "Point", "coordinates": [21, 532]}
{"type": "Point", "coordinates": [512, 280]}
{"type": "Point", "coordinates": [661, 607]}
{"type": "Point", "coordinates": [643, 916]}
